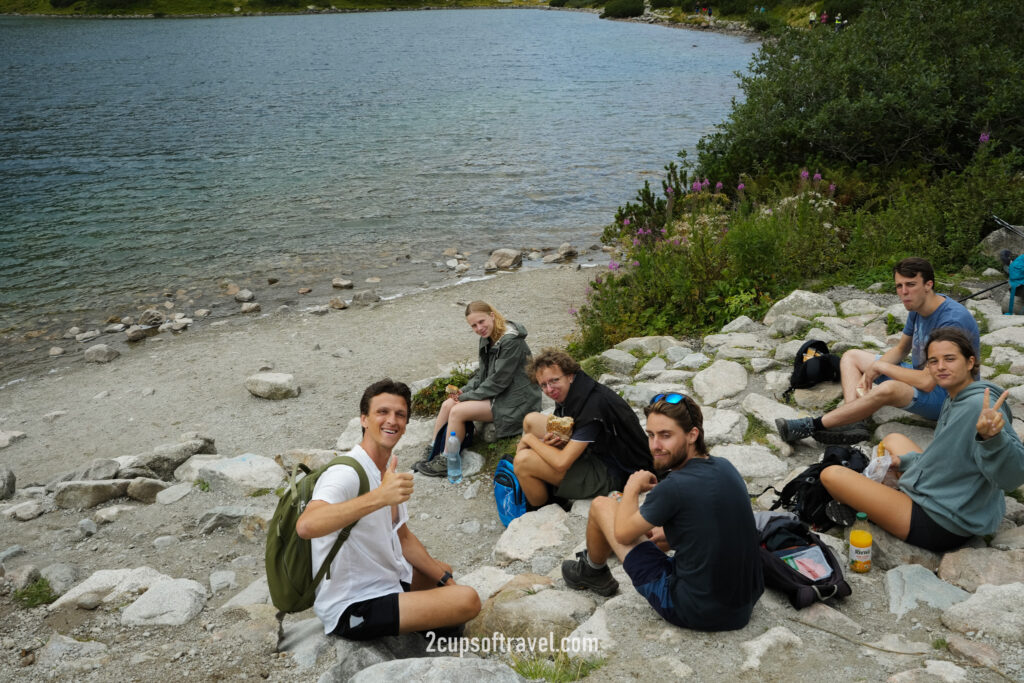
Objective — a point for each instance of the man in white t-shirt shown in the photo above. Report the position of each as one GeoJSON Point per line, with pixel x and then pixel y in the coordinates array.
{"type": "Point", "coordinates": [383, 581]}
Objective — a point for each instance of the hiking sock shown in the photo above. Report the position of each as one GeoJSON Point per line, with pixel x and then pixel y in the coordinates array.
{"type": "Point", "coordinates": [817, 423]}
{"type": "Point", "coordinates": [591, 563]}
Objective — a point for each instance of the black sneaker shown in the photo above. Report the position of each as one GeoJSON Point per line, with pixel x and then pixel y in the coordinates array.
{"type": "Point", "coordinates": [847, 434]}
{"type": "Point", "coordinates": [438, 467]}
{"type": "Point", "coordinates": [579, 574]}
{"type": "Point", "coordinates": [794, 430]}
{"type": "Point", "coordinates": [841, 514]}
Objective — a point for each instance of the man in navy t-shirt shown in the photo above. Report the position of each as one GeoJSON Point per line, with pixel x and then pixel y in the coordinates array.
{"type": "Point", "coordinates": [701, 510]}
{"type": "Point", "coordinates": [871, 381]}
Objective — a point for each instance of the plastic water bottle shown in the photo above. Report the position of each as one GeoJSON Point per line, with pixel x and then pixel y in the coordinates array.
{"type": "Point", "coordinates": [454, 458]}
{"type": "Point", "coordinates": [860, 544]}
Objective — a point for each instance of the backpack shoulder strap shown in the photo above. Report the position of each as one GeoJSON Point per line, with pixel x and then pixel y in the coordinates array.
{"type": "Point", "coordinates": [364, 488]}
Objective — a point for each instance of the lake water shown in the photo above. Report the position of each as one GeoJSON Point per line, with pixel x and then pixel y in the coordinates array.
{"type": "Point", "coordinates": [139, 157]}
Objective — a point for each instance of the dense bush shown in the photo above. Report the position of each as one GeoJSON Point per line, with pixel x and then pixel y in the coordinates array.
{"type": "Point", "coordinates": [662, 4]}
{"type": "Point", "coordinates": [734, 6]}
{"type": "Point", "coordinates": [556, 3]}
{"type": "Point", "coordinates": [427, 401]}
{"type": "Point", "coordinates": [59, 4]}
{"type": "Point", "coordinates": [620, 9]}
{"type": "Point", "coordinates": [763, 22]}
{"type": "Point", "coordinates": [848, 8]}
{"type": "Point", "coordinates": [909, 84]}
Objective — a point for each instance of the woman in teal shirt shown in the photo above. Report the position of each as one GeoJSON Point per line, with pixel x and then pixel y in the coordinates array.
{"type": "Point", "coordinates": [953, 489]}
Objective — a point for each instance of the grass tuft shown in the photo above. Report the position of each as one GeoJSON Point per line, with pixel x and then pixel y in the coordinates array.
{"type": "Point", "coordinates": [35, 594]}
{"type": "Point", "coordinates": [561, 669]}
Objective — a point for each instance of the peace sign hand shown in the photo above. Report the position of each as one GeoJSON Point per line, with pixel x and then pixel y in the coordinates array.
{"type": "Point", "coordinates": [990, 421]}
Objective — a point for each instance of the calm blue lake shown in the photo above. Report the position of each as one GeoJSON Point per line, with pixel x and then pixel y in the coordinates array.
{"type": "Point", "coordinates": [143, 156]}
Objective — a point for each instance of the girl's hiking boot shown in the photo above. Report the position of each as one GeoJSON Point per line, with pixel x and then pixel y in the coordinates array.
{"type": "Point", "coordinates": [579, 574]}
{"type": "Point", "coordinates": [438, 467]}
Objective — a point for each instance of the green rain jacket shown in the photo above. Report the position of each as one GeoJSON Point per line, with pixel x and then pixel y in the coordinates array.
{"type": "Point", "coordinates": [502, 378]}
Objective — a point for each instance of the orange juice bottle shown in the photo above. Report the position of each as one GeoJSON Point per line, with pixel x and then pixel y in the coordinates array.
{"type": "Point", "coordinates": [860, 544]}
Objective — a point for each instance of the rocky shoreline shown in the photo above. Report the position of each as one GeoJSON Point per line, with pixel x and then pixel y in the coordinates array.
{"type": "Point", "coordinates": [139, 489]}
{"type": "Point", "coordinates": [51, 339]}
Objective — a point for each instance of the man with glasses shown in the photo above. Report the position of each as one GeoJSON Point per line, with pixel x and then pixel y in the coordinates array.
{"type": "Point", "coordinates": [700, 509]}
{"type": "Point", "coordinates": [607, 442]}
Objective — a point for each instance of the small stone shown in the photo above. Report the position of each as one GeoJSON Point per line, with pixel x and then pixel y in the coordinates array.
{"type": "Point", "coordinates": [250, 307]}
{"type": "Point", "coordinates": [373, 280]}
{"type": "Point", "coordinates": [272, 280]}
{"type": "Point", "coordinates": [87, 526]}
{"type": "Point", "coordinates": [100, 353]}
{"type": "Point", "coordinates": [56, 351]}
{"type": "Point", "coordinates": [338, 304]}
{"type": "Point", "coordinates": [201, 313]}
{"type": "Point", "coordinates": [305, 290]}
{"type": "Point", "coordinates": [244, 295]}
{"type": "Point", "coordinates": [87, 336]}
{"type": "Point", "coordinates": [341, 283]}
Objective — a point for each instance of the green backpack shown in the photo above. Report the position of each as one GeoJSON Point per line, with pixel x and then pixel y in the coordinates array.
{"type": "Point", "coordinates": [289, 557]}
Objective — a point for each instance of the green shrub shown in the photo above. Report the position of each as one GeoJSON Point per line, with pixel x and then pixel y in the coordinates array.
{"type": "Point", "coordinates": [427, 401]}
{"type": "Point", "coordinates": [662, 4]}
{"type": "Point", "coordinates": [734, 6]}
{"type": "Point", "coordinates": [762, 22]}
{"type": "Point", "coordinates": [621, 9]}
{"type": "Point", "coordinates": [848, 8]}
{"type": "Point", "coordinates": [557, 3]}
{"type": "Point", "coordinates": [35, 594]}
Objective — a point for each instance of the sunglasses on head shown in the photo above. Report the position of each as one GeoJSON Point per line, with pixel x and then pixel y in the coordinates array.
{"type": "Point", "coordinates": [672, 398]}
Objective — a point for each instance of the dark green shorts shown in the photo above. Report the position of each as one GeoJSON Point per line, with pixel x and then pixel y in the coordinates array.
{"type": "Point", "coordinates": [586, 478]}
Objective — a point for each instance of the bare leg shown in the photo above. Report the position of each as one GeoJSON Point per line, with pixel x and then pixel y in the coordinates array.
{"type": "Point", "coordinates": [888, 393]}
{"type": "Point", "coordinates": [436, 608]}
{"type": "Point", "coordinates": [852, 365]}
{"type": "Point", "coordinates": [601, 532]}
{"type": "Point", "coordinates": [534, 473]}
{"type": "Point", "coordinates": [442, 415]}
{"type": "Point", "coordinates": [536, 424]}
{"type": "Point", "coordinates": [886, 507]}
{"type": "Point", "coordinates": [898, 444]}
{"type": "Point", "coordinates": [467, 411]}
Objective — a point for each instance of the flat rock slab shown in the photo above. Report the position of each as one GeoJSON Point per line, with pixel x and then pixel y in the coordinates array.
{"type": "Point", "coordinates": [722, 379]}
{"type": "Point", "coordinates": [912, 584]}
{"type": "Point", "coordinates": [109, 586]}
{"type": "Point", "coordinates": [244, 471]}
{"type": "Point", "coordinates": [171, 602]}
{"type": "Point", "coordinates": [996, 610]}
{"type": "Point", "coordinates": [753, 462]}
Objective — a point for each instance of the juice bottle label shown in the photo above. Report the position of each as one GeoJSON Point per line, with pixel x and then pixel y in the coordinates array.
{"type": "Point", "coordinates": [860, 551]}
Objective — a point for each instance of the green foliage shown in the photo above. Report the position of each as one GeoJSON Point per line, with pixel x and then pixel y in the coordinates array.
{"type": "Point", "coordinates": [848, 8]}
{"type": "Point", "coordinates": [595, 366]}
{"type": "Point", "coordinates": [257, 493]}
{"type": "Point", "coordinates": [908, 84]}
{"type": "Point", "coordinates": [202, 485]}
{"type": "Point", "coordinates": [763, 22]}
{"type": "Point", "coordinates": [1017, 494]}
{"type": "Point", "coordinates": [427, 401]}
{"type": "Point", "coordinates": [892, 324]}
{"type": "Point", "coordinates": [940, 644]}
{"type": "Point", "coordinates": [621, 9]}
{"type": "Point", "coordinates": [734, 6]}
{"type": "Point", "coordinates": [35, 594]}
{"type": "Point", "coordinates": [662, 4]}
{"type": "Point", "coordinates": [561, 669]}
{"type": "Point", "coordinates": [556, 3]}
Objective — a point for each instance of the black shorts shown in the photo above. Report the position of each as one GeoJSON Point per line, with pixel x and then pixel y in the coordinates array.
{"type": "Point", "coordinates": [926, 533]}
{"type": "Point", "coordinates": [373, 618]}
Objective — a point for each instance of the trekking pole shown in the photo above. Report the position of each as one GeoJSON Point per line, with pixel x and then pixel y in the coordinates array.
{"type": "Point", "coordinates": [982, 291]}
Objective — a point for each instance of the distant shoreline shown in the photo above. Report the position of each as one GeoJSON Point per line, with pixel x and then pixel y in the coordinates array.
{"type": "Point", "coordinates": [734, 28]}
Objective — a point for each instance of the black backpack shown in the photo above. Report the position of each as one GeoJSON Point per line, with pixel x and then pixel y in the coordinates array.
{"type": "Point", "coordinates": [789, 552]}
{"type": "Point", "coordinates": [805, 495]}
{"type": "Point", "coordinates": [813, 364]}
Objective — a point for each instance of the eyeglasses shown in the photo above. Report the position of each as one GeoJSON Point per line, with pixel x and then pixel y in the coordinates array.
{"type": "Point", "coordinates": [551, 382]}
{"type": "Point", "coordinates": [672, 398]}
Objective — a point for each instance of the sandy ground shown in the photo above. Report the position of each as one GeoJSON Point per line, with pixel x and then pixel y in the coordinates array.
{"type": "Point", "coordinates": [197, 377]}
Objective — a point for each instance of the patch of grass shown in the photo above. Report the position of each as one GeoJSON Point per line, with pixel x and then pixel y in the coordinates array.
{"type": "Point", "coordinates": [202, 485]}
{"type": "Point", "coordinates": [493, 452]}
{"type": "Point", "coordinates": [35, 594]}
{"type": "Point", "coordinates": [561, 668]}
{"type": "Point", "coordinates": [595, 366]}
{"type": "Point", "coordinates": [986, 351]}
{"type": "Point", "coordinates": [940, 644]}
{"type": "Point", "coordinates": [1017, 494]}
{"type": "Point", "coordinates": [427, 401]}
{"type": "Point", "coordinates": [757, 431]}
{"type": "Point", "coordinates": [892, 324]}
{"type": "Point", "coordinates": [259, 492]}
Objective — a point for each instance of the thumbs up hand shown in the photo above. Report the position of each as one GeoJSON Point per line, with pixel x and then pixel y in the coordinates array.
{"type": "Point", "coordinates": [395, 486]}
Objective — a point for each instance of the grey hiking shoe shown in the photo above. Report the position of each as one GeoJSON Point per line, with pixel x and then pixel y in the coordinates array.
{"type": "Point", "coordinates": [794, 430]}
{"type": "Point", "coordinates": [579, 574]}
{"type": "Point", "coordinates": [438, 467]}
{"type": "Point", "coordinates": [847, 434]}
